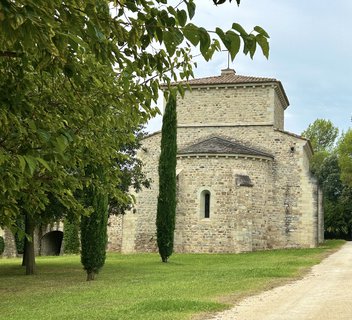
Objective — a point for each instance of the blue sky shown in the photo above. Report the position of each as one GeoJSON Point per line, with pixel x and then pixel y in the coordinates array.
{"type": "Point", "coordinates": [310, 53]}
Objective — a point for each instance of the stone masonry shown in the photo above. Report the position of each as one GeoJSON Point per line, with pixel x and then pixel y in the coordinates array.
{"type": "Point", "coordinates": [243, 183]}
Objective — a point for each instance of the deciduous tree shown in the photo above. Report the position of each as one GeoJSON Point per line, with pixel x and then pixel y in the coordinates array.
{"type": "Point", "coordinates": [322, 135]}
{"type": "Point", "coordinates": [77, 79]}
{"type": "Point", "coordinates": [345, 157]}
{"type": "Point", "coordinates": [326, 166]}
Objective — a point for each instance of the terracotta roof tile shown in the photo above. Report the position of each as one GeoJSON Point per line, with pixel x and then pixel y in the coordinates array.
{"type": "Point", "coordinates": [217, 145]}
{"type": "Point", "coordinates": [228, 76]}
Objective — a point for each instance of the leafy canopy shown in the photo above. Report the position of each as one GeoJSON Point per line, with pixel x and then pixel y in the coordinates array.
{"type": "Point", "coordinates": [332, 166]}
{"type": "Point", "coordinates": [322, 135]}
{"type": "Point", "coordinates": [78, 78]}
{"type": "Point", "coordinates": [345, 157]}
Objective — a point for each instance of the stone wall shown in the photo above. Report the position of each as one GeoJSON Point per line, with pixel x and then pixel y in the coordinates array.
{"type": "Point", "coordinates": [115, 229]}
{"type": "Point", "coordinates": [280, 210]}
{"type": "Point", "coordinates": [10, 244]}
{"type": "Point", "coordinates": [238, 216]}
{"type": "Point", "coordinates": [278, 112]}
{"type": "Point", "coordinates": [233, 105]}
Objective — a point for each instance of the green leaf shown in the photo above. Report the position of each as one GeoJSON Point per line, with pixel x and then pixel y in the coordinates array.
{"type": "Point", "coordinates": [61, 144]}
{"type": "Point", "coordinates": [159, 34]}
{"type": "Point", "coordinates": [264, 44]}
{"type": "Point", "coordinates": [32, 125]}
{"type": "Point", "coordinates": [237, 27]}
{"type": "Point", "coordinates": [169, 43]}
{"type": "Point", "coordinates": [235, 43]}
{"type": "Point", "coordinates": [191, 33]}
{"type": "Point", "coordinates": [215, 46]}
{"type": "Point", "coordinates": [250, 45]}
{"type": "Point", "coordinates": [261, 31]}
{"type": "Point", "coordinates": [44, 163]}
{"type": "Point", "coordinates": [216, 2]}
{"type": "Point", "coordinates": [100, 35]}
{"type": "Point", "coordinates": [44, 136]}
{"type": "Point", "coordinates": [32, 163]}
{"type": "Point", "coordinates": [204, 41]}
{"type": "Point", "coordinates": [182, 17]}
{"type": "Point", "coordinates": [74, 38]}
{"type": "Point", "coordinates": [191, 8]}
{"type": "Point", "coordinates": [22, 163]}
{"type": "Point", "coordinates": [3, 157]}
{"type": "Point", "coordinates": [222, 36]}
{"type": "Point", "coordinates": [172, 10]}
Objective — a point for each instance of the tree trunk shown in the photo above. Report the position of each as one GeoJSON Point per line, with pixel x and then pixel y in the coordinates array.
{"type": "Point", "coordinates": [24, 252]}
{"type": "Point", "coordinates": [90, 275]}
{"type": "Point", "coordinates": [29, 257]}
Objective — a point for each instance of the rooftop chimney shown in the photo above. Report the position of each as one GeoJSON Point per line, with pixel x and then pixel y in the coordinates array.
{"type": "Point", "coordinates": [227, 71]}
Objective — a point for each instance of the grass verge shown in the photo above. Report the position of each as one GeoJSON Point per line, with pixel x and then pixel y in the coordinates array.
{"type": "Point", "coordinates": [140, 287]}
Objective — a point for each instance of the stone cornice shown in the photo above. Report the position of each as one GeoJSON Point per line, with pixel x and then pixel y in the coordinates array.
{"type": "Point", "coordinates": [236, 156]}
{"type": "Point", "coordinates": [225, 125]}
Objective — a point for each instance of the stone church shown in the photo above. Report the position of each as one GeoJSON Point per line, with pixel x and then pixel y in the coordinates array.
{"type": "Point", "coordinates": [243, 182]}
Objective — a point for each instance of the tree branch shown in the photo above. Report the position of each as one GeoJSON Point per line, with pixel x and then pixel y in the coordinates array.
{"type": "Point", "coordinates": [9, 54]}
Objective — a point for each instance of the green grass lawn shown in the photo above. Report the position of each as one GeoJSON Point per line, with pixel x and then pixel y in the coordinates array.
{"type": "Point", "coordinates": [141, 287]}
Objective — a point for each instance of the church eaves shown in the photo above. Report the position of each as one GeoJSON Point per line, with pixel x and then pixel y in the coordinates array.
{"type": "Point", "coordinates": [229, 78]}
{"type": "Point", "coordinates": [220, 146]}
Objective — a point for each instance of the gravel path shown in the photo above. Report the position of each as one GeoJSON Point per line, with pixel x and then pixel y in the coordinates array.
{"type": "Point", "coordinates": [325, 294]}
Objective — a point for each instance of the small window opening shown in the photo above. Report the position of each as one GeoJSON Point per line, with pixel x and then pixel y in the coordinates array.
{"type": "Point", "coordinates": [207, 205]}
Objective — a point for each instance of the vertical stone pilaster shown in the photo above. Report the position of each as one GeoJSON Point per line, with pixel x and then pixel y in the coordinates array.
{"type": "Point", "coordinates": [129, 233]}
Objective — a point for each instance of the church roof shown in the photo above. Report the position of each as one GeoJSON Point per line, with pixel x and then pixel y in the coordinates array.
{"type": "Point", "coordinates": [217, 145]}
{"type": "Point", "coordinates": [229, 76]}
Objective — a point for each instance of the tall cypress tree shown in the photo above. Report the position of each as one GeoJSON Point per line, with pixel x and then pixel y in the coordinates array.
{"type": "Point", "coordinates": [94, 232]}
{"type": "Point", "coordinates": [166, 209]}
{"type": "Point", "coordinates": [71, 236]}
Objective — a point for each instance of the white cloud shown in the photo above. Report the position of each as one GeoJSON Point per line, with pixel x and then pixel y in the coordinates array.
{"type": "Point", "coordinates": [310, 53]}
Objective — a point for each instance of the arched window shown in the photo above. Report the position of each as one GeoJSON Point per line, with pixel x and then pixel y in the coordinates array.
{"type": "Point", "coordinates": [205, 204]}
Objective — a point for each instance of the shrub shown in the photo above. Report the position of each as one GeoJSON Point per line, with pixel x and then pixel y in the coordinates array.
{"type": "Point", "coordinates": [71, 236]}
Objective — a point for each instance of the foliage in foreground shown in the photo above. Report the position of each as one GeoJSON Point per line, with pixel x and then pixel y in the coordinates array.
{"type": "Point", "coordinates": [78, 78]}
{"type": "Point", "coordinates": [77, 72]}
{"type": "Point", "coordinates": [139, 287]}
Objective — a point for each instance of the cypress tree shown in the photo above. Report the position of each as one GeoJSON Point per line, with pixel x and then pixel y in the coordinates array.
{"type": "Point", "coordinates": [166, 209]}
{"type": "Point", "coordinates": [71, 236]}
{"type": "Point", "coordinates": [94, 232]}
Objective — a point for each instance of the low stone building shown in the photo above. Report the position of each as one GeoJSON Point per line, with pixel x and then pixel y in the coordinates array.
{"type": "Point", "coordinates": [243, 182]}
{"type": "Point", "coordinates": [48, 241]}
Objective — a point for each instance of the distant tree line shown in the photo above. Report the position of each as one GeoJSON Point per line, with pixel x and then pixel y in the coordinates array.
{"type": "Point", "coordinates": [332, 165]}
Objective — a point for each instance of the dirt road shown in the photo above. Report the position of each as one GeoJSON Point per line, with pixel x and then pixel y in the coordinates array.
{"type": "Point", "coordinates": [324, 294]}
